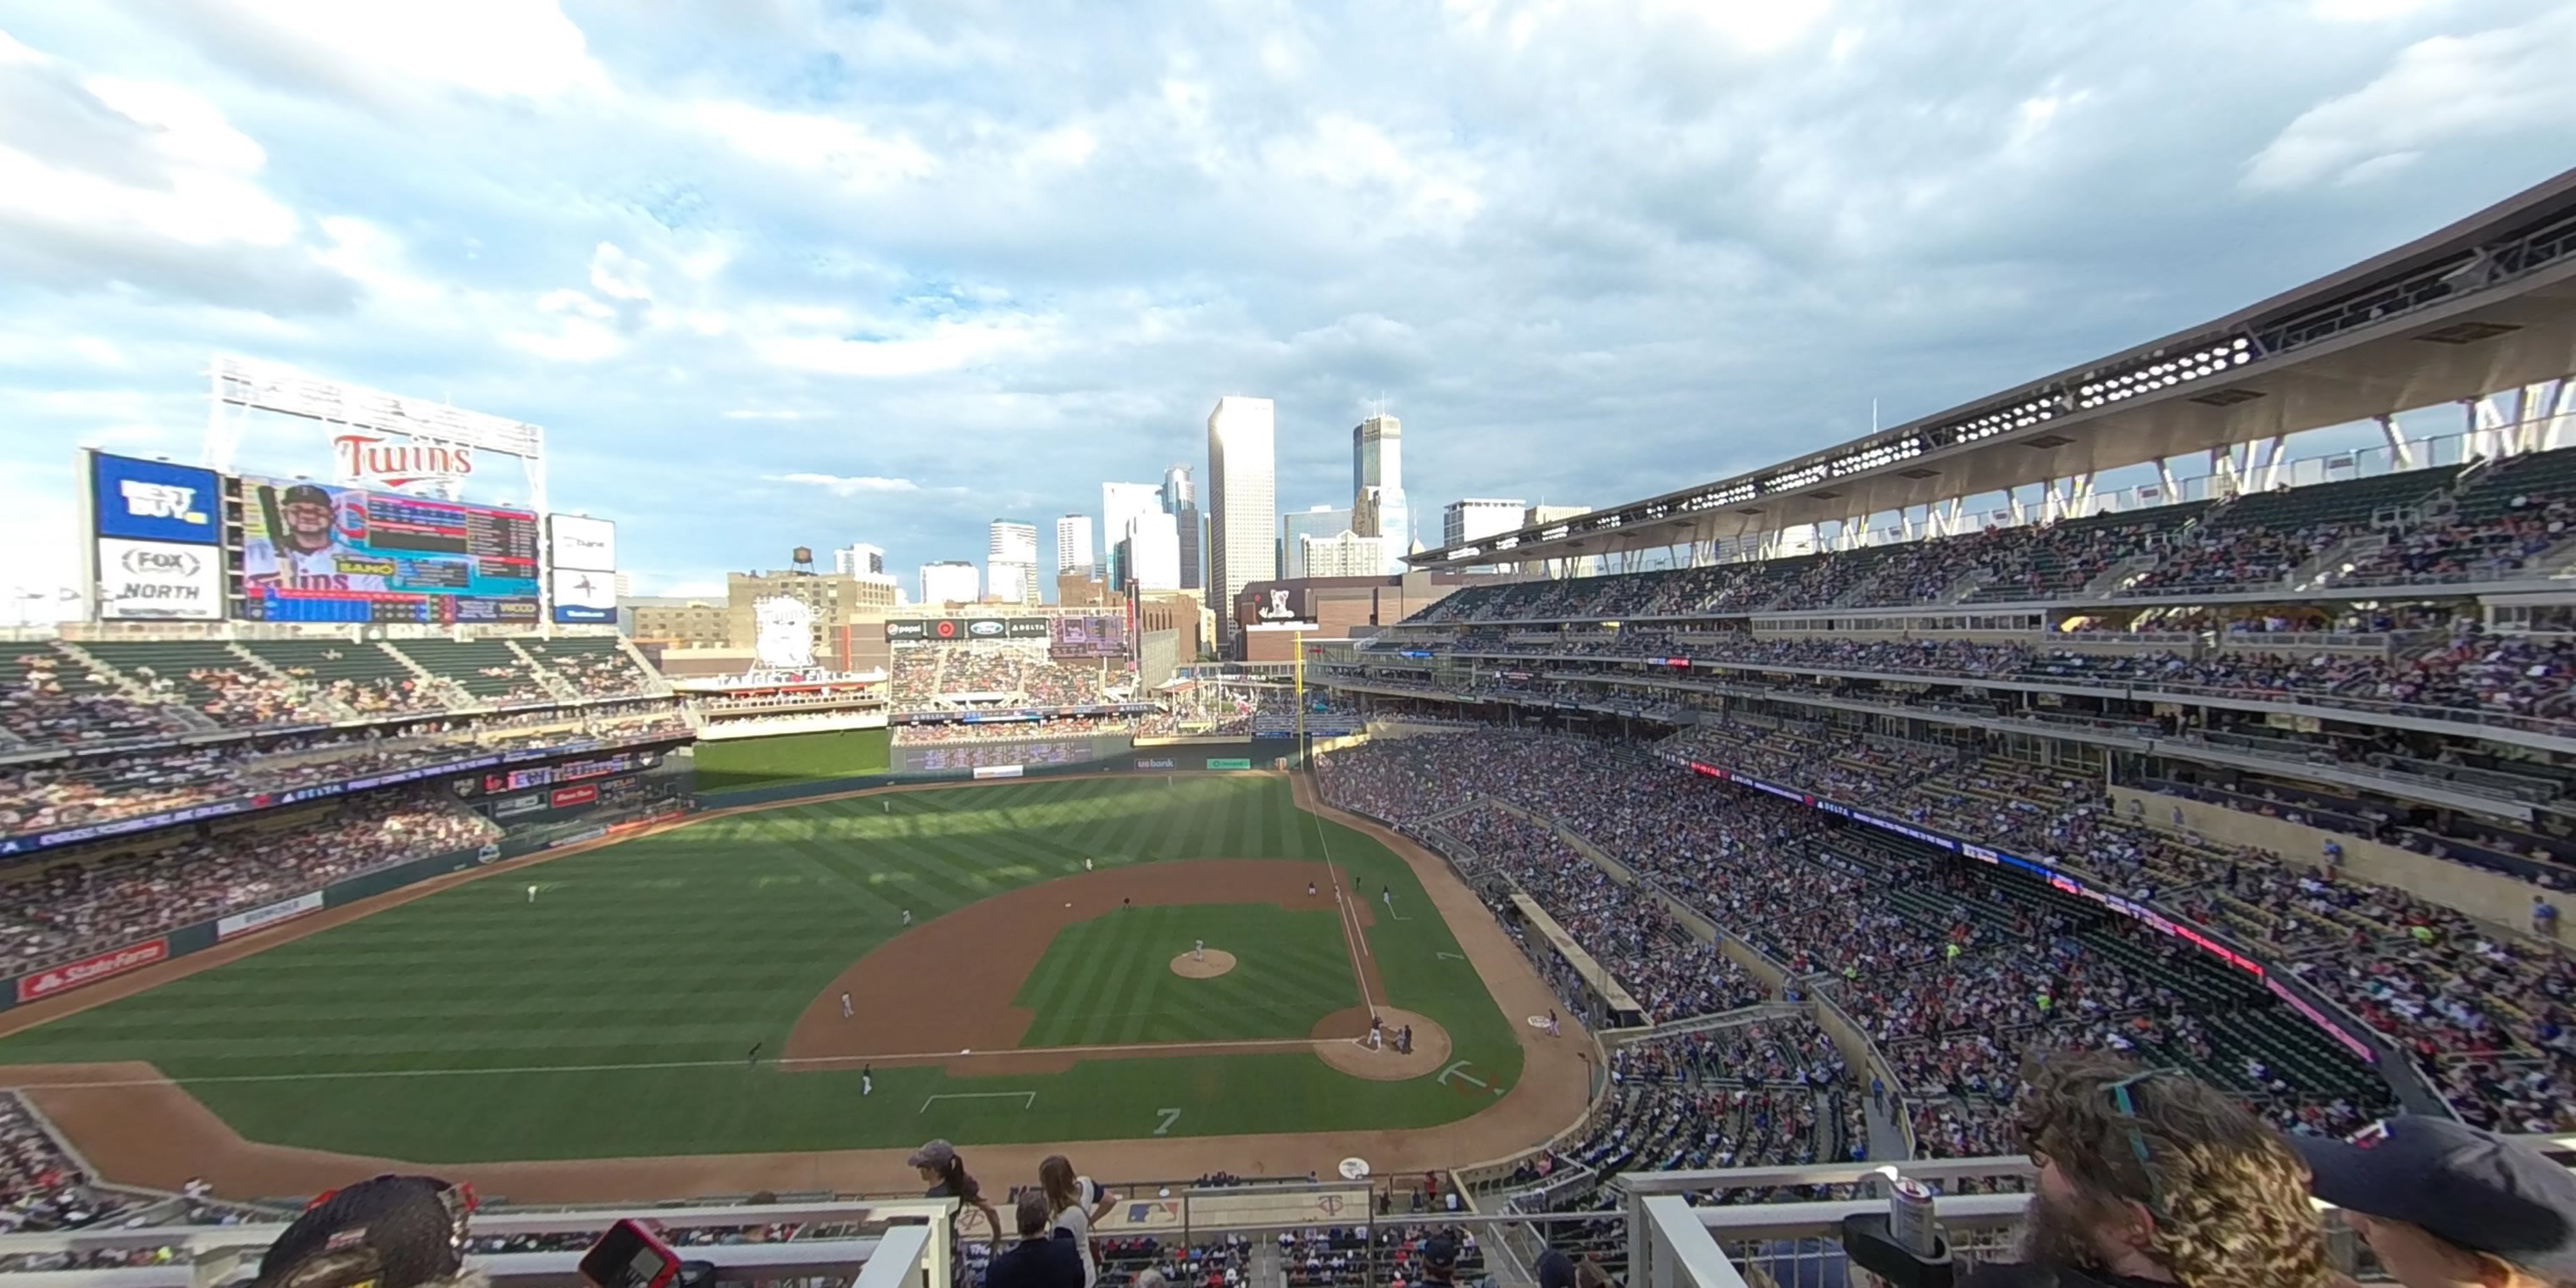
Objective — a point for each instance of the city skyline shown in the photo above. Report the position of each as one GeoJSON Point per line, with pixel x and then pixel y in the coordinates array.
{"type": "Point", "coordinates": [893, 295]}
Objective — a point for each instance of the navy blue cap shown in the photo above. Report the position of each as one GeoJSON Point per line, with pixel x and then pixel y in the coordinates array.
{"type": "Point", "coordinates": [2464, 1186]}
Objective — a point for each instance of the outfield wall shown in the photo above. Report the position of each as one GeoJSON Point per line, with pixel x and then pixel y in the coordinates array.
{"type": "Point", "coordinates": [56, 980]}
{"type": "Point", "coordinates": [1002, 761]}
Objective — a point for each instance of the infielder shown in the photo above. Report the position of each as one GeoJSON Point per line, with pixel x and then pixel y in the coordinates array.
{"type": "Point", "coordinates": [1551, 1024]}
{"type": "Point", "coordinates": [867, 1080]}
{"type": "Point", "coordinates": [845, 1006]}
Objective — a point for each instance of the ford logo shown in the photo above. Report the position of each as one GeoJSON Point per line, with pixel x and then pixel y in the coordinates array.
{"type": "Point", "coordinates": [986, 628]}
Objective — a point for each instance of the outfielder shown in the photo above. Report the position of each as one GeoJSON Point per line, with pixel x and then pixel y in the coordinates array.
{"type": "Point", "coordinates": [532, 894]}
{"type": "Point", "coordinates": [907, 916]}
{"type": "Point", "coordinates": [867, 1080]}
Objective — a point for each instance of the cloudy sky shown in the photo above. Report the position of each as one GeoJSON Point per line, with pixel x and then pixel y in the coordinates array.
{"type": "Point", "coordinates": [774, 272]}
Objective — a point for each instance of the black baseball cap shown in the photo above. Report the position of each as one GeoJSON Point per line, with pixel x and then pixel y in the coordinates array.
{"type": "Point", "coordinates": [305, 494]}
{"type": "Point", "coordinates": [1555, 1269]}
{"type": "Point", "coordinates": [2463, 1186]}
{"type": "Point", "coordinates": [389, 1232]}
{"type": "Point", "coordinates": [1440, 1251]}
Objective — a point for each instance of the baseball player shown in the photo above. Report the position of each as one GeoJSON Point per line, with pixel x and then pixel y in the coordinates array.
{"type": "Point", "coordinates": [889, 805]}
{"type": "Point", "coordinates": [907, 916]}
{"type": "Point", "coordinates": [1198, 953]}
{"type": "Point", "coordinates": [1386, 895]}
{"type": "Point", "coordinates": [306, 553]}
{"type": "Point", "coordinates": [1377, 1027]}
{"type": "Point", "coordinates": [1310, 889]}
{"type": "Point", "coordinates": [1551, 1024]}
{"type": "Point", "coordinates": [867, 1080]}
{"type": "Point", "coordinates": [532, 894]}
{"type": "Point", "coordinates": [1086, 863]}
{"type": "Point", "coordinates": [845, 1006]}
{"type": "Point", "coordinates": [753, 1057]}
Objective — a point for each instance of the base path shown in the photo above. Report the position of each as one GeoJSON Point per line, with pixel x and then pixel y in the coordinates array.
{"type": "Point", "coordinates": [137, 1127]}
{"type": "Point", "coordinates": [979, 956]}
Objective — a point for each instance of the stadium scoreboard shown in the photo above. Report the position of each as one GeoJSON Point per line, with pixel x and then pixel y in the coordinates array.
{"type": "Point", "coordinates": [316, 553]}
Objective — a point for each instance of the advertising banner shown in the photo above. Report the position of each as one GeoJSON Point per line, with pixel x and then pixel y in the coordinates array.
{"type": "Point", "coordinates": [90, 970]}
{"type": "Point", "coordinates": [946, 630]}
{"type": "Point", "coordinates": [242, 923]}
{"type": "Point", "coordinates": [578, 542]}
{"type": "Point", "coordinates": [514, 806]}
{"type": "Point", "coordinates": [330, 554]}
{"type": "Point", "coordinates": [585, 596]}
{"type": "Point", "coordinates": [154, 500]}
{"type": "Point", "coordinates": [998, 771]}
{"type": "Point", "coordinates": [1221, 763]}
{"type": "Point", "coordinates": [569, 796]}
{"type": "Point", "coordinates": [159, 581]}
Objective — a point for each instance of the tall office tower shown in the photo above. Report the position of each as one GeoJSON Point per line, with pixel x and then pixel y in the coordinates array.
{"type": "Point", "coordinates": [861, 557]}
{"type": "Point", "coordinates": [1011, 562]}
{"type": "Point", "coordinates": [1073, 544]}
{"type": "Point", "coordinates": [1472, 519]}
{"type": "Point", "coordinates": [949, 581]}
{"type": "Point", "coordinates": [1343, 554]}
{"type": "Point", "coordinates": [1181, 501]}
{"type": "Point", "coordinates": [1321, 522]}
{"type": "Point", "coordinates": [1377, 466]}
{"type": "Point", "coordinates": [1243, 506]}
{"type": "Point", "coordinates": [1153, 544]}
{"type": "Point", "coordinates": [1121, 504]}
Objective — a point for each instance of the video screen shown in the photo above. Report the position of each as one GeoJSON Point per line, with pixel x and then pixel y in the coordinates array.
{"type": "Point", "coordinates": [316, 553]}
{"type": "Point", "coordinates": [1101, 636]}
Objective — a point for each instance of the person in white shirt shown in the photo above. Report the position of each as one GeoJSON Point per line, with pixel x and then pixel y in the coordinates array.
{"type": "Point", "coordinates": [1077, 1202]}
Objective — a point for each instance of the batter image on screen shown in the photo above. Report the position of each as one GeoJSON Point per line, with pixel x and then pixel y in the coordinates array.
{"type": "Point", "coordinates": [308, 554]}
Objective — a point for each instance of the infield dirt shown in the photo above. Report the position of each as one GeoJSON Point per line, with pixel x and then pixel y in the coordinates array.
{"type": "Point", "coordinates": [135, 1126]}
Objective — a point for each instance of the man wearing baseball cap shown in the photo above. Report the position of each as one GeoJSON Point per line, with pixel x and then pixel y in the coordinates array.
{"type": "Point", "coordinates": [2448, 1206]}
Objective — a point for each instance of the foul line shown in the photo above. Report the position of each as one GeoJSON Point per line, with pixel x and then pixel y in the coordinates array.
{"type": "Point", "coordinates": [1352, 938]}
{"type": "Point", "coordinates": [1248, 1044]}
{"type": "Point", "coordinates": [1030, 1103]}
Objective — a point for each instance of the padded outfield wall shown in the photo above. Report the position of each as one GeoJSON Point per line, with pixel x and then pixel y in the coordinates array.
{"type": "Point", "coordinates": [1029, 758]}
{"type": "Point", "coordinates": [590, 820]}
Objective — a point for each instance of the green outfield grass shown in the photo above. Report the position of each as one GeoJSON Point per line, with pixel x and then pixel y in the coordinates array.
{"type": "Point", "coordinates": [611, 1016]}
{"type": "Point", "coordinates": [735, 764]}
{"type": "Point", "coordinates": [1110, 979]}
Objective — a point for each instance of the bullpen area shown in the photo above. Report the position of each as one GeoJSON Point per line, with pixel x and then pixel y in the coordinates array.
{"type": "Point", "coordinates": [792, 996]}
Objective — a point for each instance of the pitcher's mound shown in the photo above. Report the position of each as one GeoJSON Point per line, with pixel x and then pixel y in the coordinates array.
{"type": "Point", "coordinates": [1336, 1046]}
{"type": "Point", "coordinates": [1217, 963]}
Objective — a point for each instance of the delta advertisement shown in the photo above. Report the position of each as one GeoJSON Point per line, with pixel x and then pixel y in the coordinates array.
{"type": "Point", "coordinates": [243, 923]}
{"type": "Point", "coordinates": [582, 551]}
{"type": "Point", "coordinates": [955, 630]}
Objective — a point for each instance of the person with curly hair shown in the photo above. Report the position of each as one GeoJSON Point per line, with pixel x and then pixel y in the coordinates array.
{"type": "Point", "coordinates": [2153, 1177]}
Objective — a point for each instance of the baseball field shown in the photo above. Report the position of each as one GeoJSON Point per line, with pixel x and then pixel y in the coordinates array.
{"type": "Point", "coordinates": [1159, 959]}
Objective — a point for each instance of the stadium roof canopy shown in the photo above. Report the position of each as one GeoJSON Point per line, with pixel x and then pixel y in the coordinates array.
{"type": "Point", "coordinates": [2486, 304]}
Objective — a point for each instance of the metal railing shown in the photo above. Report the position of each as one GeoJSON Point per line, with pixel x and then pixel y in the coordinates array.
{"type": "Point", "coordinates": [903, 1238]}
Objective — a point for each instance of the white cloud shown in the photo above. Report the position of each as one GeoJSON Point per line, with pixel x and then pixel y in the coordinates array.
{"type": "Point", "coordinates": [510, 49]}
{"type": "Point", "coordinates": [2443, 90]}
{"type": "Point", "coordinates": [847, 484]}
{"type": "Point", "coordinates": [827, 147]}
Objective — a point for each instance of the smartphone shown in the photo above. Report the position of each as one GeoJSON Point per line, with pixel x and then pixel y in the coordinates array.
{"type": "Point", "coordinates": [628, 1256]}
